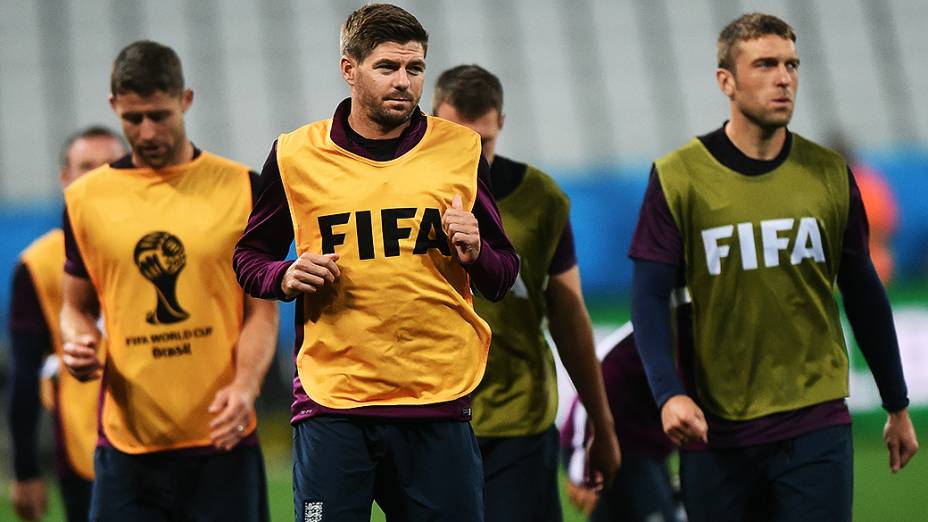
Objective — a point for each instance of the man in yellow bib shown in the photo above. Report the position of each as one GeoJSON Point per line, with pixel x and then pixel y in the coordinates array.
{"type": "Point", "coordinates": [149, 243]}
{"type": "Point", "coordinates": [35, 334]}
{"type": "Point", "coordinates": [392, 222]}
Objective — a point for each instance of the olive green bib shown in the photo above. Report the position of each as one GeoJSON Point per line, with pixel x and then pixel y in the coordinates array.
{"type": "Point", "coordinates": [518, 394]}
{"type": "Point", "coordinates": [762, 255]}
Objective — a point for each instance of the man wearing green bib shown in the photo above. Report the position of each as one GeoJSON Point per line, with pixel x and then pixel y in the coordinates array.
{"type": "Point", "coordinates": [761, 223]}
{"type": "Point", "coordinates": [515, 404]}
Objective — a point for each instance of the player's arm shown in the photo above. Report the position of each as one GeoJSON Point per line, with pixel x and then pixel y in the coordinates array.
{"type": "Point", "coordinates": [80, 311]}
{"type": "Point", "coordinates": [483, 249]}
{"type": "Point", "coordinates": [259, 259]}
{"type": "Point", "coordinates": [30, 341]}
{"type": "Point", "coordinates": [233, 405]}
{"type": "Point", "coordinates": [871, 319]}
{"type": "Point", "coordinates": [657, 249]}
{"type": "Point", "coordinates": [572, 331]}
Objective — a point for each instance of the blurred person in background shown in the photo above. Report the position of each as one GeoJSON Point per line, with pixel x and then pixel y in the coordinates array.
{"type": "Point", "coordinates": [516, 402]}
{"type": "Point", "coordinates": [149, 241]}
{"type": "Point", "coordinates": [879, 204]}
{"type": "Point", "coordinates": [762, 223]}
{"type": "Point", "coordinates": [642, 490]}
{"type": "Point", "coordinates": [35, 335]}
{"type": "Point", "coordinates": [393, 223]}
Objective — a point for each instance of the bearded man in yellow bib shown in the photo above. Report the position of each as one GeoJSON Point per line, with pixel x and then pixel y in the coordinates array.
{"type": "Point", "coordinates": [35, 334]}
{"type": "Point", "coordinates": [149, 243]}
{"type": "Point", "coordinates": [392, 222]}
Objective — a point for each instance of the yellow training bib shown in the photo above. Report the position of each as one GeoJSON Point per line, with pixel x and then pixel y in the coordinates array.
{"type": "Point", "coordinates": [398, 328]}
{"type": "Point", "coordinates": [158, 248]}
{"type": "Point", "coordinates": [74, 401]}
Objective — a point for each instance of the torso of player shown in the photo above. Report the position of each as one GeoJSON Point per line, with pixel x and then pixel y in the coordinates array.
{"type": "Point", "coordinates": [158, 248]}
{"type": "Point", "coordinates": [518, 394]}
{"type": "Point", "coordinates": [399, 326]}
{"type": "Point", "coordinates": [761, 256]}
{"type": "Point", "coordinates": [75, 402]}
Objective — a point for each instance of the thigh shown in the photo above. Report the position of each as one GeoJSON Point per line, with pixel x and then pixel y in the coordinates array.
{"type": "Point", "coordinates": [75, 494]}
{"type": "Point", "coordinates": [131, 487]}
{"type": "Point", "coordinates": [720, 485]}
{"type": "Point", "coordinates": [431, 471]}
{"type": "Point", "coordinates": [520, 478]}
{"type": "Point", "coordinates": [333, 470]}
{"type": "Point", "coordinates": [812, 477]}
{"type": "Point", "coordinates": [640, 491]}
{"type": "Point", "coordinates": [227, 486]}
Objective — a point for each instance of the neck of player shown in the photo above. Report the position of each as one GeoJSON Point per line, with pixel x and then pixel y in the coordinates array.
{"type": "Point", "coordinates": [184, 154]}
{"type": "Point", "coordinates": [756, 142]}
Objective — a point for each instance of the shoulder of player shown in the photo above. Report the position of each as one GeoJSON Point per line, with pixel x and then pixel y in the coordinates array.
{"type": "Point", "coordinates": [540, 181]}
{"type": "Point", "coordinates": [50, 241]}
{"type": "Point", "coordinates": [288, 143]}
{"type": "Point", "coordinates": [85, 183]}
{"type": "Point", "coordinates": [445, 129]}
{"type": "Point", "coordinates": [223, 166]}
{"type": "Point", "coordinates": [804, 148]}
{"type": "Point", "coordinates": [673, 164]}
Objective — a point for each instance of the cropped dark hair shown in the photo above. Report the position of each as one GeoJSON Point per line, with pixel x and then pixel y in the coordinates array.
{"type": "Point", "coordinates": [145, 67]}
{"type": "Point", "coordinates": [374, 24]}
{"type": "Point", "coordinates": [470, 89]}
{"type": "Point", "coordinates": [94, 131]}
{"type": "Point", "coordinates": [748, 27]}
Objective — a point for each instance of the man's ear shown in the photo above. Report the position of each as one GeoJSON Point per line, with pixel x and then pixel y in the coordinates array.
{"type": "Point", "coordinates": [349, 70]}
{"type": "Point", "coordinates": [726, 81]}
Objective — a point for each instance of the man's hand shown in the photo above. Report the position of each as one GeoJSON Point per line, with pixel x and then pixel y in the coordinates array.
{"type": "Point", "coordinates": [582, 497]}
{"type": "Point", "coordinates": [29, 498]}
{"type": "Point", "coordinates": [603, 458]}
{"type": "Point", "coordinates": [233, 406]}
{"type": "Point", "coordinates": [683, 421]}
{"type": "Point", "coordinates": [80, 357]}
{"type": "Point", "coordinates": [899, 435]}
{"type": "Point", "coordinates": [463, 232]}
{"type": "Point", "coordinates": [310, 273]}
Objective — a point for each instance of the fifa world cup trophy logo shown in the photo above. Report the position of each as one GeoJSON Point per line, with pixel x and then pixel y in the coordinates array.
{"type": "Point", "coordinates": [160, 257]}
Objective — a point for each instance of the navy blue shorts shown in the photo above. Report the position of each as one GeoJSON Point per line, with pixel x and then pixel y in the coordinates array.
{"type": "Point", "coordinates": [640, 491]}
{"type": "Point", "coordinates": [416, 470]}
{"type": "Point", "coordinates": [809, 477]}
{"type": "Point", "coordinates": [521, 478]}
{"type": "Point", "coordinates": [174, 486]}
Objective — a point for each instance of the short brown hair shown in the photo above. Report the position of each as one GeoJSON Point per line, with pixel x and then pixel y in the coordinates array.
{"type": "Point", "coordinates": [470, 89]}
{"type": "Point", "coordinates": [144, 67]}
{"type": "Point", "coordinates": [748, 27]}
{"type": "Point", "coordinates": [374, 24]}
{"type": "Point", "coordinates": [94, 131]}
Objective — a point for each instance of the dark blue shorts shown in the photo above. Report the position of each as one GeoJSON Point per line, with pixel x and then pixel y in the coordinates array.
{"type": "Point", "coordinates": [640, 491]}
{"type": "Point", "coordinates": [809, 477]}
{"type": "Point", "coordinates": [416, 470]}
{"type": "Point", "coordinates": [174, 486]}
{"type": "Point", "coordinates": [521, 478]}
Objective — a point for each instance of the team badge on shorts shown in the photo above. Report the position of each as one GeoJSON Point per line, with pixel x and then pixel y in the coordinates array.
{"type": "Point", "coordinates": [312, 511]}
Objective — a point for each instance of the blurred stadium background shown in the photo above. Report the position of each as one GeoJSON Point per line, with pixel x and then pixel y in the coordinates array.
{"type": "Point", "coordinates": [595, 90]}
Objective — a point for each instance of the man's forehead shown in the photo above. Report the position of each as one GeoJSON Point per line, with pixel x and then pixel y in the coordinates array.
{"type": "Point", "coordinates": [150, 101]}
{"type": "Point", "coordinates": [407, 51]}
{"type": "Point", "coordinates": [764, 45]}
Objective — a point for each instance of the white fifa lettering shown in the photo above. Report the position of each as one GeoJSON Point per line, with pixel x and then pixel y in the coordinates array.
{"type": "Point", "coordinates": [769, 230]}
{"type": "Point", "coordinates": [808, 242]}
{"type": "Point", "coordinates": [714, 251]}
{"type": "Point", "coordinates": [748, 247]}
